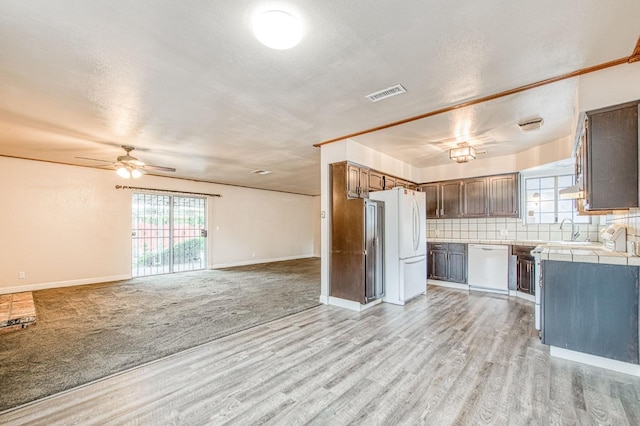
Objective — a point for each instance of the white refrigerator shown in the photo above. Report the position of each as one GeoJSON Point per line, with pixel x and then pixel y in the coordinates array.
{"type": "Point", "coordinates": [405, 244]}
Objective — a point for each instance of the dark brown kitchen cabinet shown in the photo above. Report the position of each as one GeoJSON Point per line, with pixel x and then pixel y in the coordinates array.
{"type": "Point", "coordinates": [431, 194]}
{"type": "Point", "coordinates": [608, 158]}
{"type": "Point", "coordinates": [503, 195]}
{"type": "Point", "coordinates": [447, 262]}
{"type": "Point", "coordinates": [389, 182]}
{"type": "Point", "coordinates": [356, 241]}
{"type": "Point", "coordinates": [357, 181]}
{"type": "Point", "coordinates": [474, 197]}
{"type": "Point", "coordinates": [402, 183]}
{"type": "Point", "coordinates": [443, 199]}
{"type": "Point", "coordinates": [591, 308]}
{"type": "Point", "coordinates": [376, 181]}
{"type": "Point", "coordinates": [450, 199]}
{"type": "Point", "coordinates": [437, 266]}
{"type": "Point", "coordinates": [485, 196]}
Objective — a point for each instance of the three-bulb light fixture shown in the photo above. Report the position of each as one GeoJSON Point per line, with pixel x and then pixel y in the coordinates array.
{"type": "Point", "coordinates": [127, 171]}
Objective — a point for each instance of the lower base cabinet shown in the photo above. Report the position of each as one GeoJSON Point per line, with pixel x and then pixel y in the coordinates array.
{"type": "Point", "coordinates": [591, 308]}
{"type": "Point", "coordinates": [447, 262]}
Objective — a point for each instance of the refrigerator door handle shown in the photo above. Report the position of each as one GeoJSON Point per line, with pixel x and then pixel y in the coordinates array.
{"type": "Point", "coordinates": [414, 260]}
{"type": "Point", "coordinates": [416, 225]}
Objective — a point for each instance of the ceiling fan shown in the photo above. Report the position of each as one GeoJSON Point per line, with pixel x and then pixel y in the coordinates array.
{"type": "Point", "coordinates": [128, 166]}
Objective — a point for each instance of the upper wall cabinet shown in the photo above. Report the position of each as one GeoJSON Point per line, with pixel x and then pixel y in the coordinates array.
{"type": "Point", "coordinates": [608, 158]}
{"type": "Point", "coordinates": [376, 181]}
{"type": "Point", "coordinates": [362, 180]}
{"type": "Point", "coordinates": [474, 197]}
{"type": "Point", "coordinates": [357, 181]}
{"type": "Point", "coordinates": [503, 195]}
{"type": "Point", "coordinates": [487, 196]}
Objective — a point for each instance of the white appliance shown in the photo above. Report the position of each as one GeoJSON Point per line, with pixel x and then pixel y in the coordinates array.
{"type": "Point", "coordinates": [614, 237]}
{"type": "Point", "coordinates": [405, 244]}
{"type": "Point", "coordinates": [489, 268]}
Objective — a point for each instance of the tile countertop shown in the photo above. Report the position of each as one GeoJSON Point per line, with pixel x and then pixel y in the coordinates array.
{"type": "Point", "coordinates": [566, 251]}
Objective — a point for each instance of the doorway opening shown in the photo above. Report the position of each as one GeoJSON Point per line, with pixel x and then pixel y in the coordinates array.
{"type": "Point", "coordinates": [168, 234]}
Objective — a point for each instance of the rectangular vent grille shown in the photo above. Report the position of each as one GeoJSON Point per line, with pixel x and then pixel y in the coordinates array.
{"type": "Point", "coordinates": [386, 93]}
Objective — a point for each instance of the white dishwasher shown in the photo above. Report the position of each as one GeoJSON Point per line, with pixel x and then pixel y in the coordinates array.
{"type": "Point", "coordinates": [489, 268]}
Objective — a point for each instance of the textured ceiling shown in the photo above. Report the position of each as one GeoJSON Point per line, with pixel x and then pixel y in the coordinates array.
{"type": "Point", "coordinates": [189, 86]}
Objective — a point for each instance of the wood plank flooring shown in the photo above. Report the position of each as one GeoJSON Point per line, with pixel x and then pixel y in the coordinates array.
{"type": "Point", "coordinates": [450, 358]}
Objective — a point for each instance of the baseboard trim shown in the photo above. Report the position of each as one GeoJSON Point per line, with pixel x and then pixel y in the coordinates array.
{"type": "Point", "coordinates": [258, 261]}
{"type": "Point", "coordinates": [324, 299]}
{"type": "Point", "coordinates": [68, 283]}
{"type": "Point", "coordinates": [525, 296]}
{"type": "Point", "coordinates": [351, 305]}
{"type": "Point", "coordinates": [596, 361]}
{"type": "Point", "coordinates": [448, 284]}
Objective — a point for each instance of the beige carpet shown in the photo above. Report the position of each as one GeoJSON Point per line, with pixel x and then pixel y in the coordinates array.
{"type": "Point", "coordinates": [88, 332]}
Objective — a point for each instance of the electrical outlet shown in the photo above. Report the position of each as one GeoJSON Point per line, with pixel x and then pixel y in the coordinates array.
{"type": "Point", "coordinates": [504, 233]}
{"type": "Point", "coordinates": [22, 275]}
{"type": "Point", "coordinates": [437, 232]}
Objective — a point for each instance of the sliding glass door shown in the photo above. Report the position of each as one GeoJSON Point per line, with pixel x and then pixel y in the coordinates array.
{"type": "Point", "coordinates": [168, 234]}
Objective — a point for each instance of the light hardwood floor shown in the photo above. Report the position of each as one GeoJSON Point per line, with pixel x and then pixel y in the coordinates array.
{"type": "Point", "coordinates": [450, 358]}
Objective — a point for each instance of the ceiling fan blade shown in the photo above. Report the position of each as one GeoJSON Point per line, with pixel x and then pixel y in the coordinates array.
{"type": "Point", "coordinates": [158, 168]}
{"type": "Point", "coordinates": [94, 159]}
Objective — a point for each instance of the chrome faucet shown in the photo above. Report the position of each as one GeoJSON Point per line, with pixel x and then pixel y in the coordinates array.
{"type": "Point", "coordinates": [574, 233]}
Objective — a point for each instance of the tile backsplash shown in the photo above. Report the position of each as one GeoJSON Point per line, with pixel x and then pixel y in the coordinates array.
{"type": "Point", "coordinates": [631, 220]}
{"type": "Point", "coordinates": [511, 229]}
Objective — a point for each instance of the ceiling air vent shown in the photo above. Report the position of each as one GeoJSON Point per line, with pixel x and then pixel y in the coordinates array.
{"type": "Point", "coordinates": [531, 124]}
{"type": "Point", "coordinates": [386, 93]}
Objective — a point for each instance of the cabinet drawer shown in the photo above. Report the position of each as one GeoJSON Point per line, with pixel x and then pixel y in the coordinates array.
{"type": "Point", "coordinates": [438, 246]}
{"type": "Point", "coordinates": [457, 247]}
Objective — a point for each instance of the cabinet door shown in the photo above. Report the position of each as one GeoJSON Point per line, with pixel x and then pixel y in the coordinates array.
{"type": "Point", "coordinates": [457, 267]}
{"type": "Point", "coordinates": [450, 196]}
{"type": "Point", "coordinates": [591, 308]}
{"type": "Point", "coordinates": [612, 158]}
{"type": "Point", "coordinates": [389, 182]}
{"type": "Point", "coordinates": [525, 276]}
{"type": "Point", "coordinates": [437, 268]}
{"type": "Point", "coordinates": [431, 195]}
{"type": "Point", "coordinates": [376, 181]}
{"type": "Point", "coordinates": [353, 181]}
{"type": "Point", "coordinates": [412, 186]}
{"type": "Point", "coordinates": [364, 182]}
{"type": "Point", "coordinates": [503, 195]}
{"type": "Point", "coordinates": [474, 197]}
{"type": "Point", "coordinates": [402, 183]}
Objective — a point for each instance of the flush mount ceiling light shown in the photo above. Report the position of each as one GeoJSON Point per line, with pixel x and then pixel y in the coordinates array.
{"type": "Point", "coordinates": [463, 153]}
{"type": "Point", "coordinates": [277, 29]}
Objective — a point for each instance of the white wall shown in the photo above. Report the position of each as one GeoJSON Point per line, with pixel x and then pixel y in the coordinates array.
{"type": "Point", "coordinates": [316, 218]}
{"type": "Point", "coordinates": [550, 152]}
{"type": "Point", "coordinates": [67, 225]}
{"type": "Point", "coordinates": [609, 87]}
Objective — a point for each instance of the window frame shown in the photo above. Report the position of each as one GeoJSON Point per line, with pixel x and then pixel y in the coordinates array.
{"type": "Point", "coordinates": [555, 175]}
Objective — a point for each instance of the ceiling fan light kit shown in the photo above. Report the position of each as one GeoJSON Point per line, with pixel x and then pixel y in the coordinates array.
{"type": "Point", "coordinates": [127, 166]}
{"type": "Point", "coordinates": [463, 154]}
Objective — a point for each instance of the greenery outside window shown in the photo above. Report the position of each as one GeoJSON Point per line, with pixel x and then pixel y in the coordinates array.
{"type": "Point", "coordinates": [543, 203]}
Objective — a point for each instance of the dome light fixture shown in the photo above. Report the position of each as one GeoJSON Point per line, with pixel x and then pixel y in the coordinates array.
{"type": "Point", "coordinates": [277, 29]}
